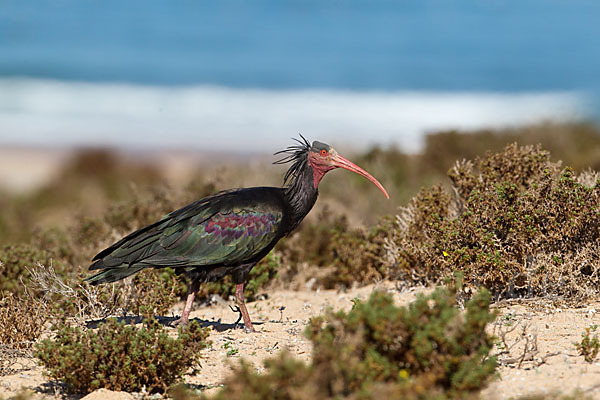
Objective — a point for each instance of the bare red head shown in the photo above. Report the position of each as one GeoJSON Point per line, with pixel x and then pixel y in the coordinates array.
{"type": "Point", "coordinates": [323, 158]}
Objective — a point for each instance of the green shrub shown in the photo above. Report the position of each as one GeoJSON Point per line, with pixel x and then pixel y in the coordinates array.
{"type": "Point", "coordinates": [287, 378]}
{"type": "Point", "coordinates": [428, 344]}
{"type": "Point", "coordinates": [22, 320]}
{"type": "Point", "coordinates": [150, 292]}
{"type": "Point", "coordinates": [155, 292]}
{"type": "Point", "coordinates": [589, 346]}
{"type": "Point", "coordinates": [356, 256]}
{"type": "Point", "coordinates": [14, 261]}
{"type": "Point", "coordinates": [429, 349]}
{"type": "Point", "coordinates": [345, 256]}
{"type": "Point", "coordinates": [121, 357]}
{"type": "Point", "coordinates": [312, 242]}
{"type": "Point", "coordinates": [519, 225]}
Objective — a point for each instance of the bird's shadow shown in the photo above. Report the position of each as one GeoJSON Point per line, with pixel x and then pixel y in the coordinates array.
{"type": "Point", "coordinates": [168, 322]}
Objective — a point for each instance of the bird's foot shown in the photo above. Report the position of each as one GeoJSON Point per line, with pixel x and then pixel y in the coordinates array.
{"type": "Point", "coordinates": [248, 328]}
{"type": "Point", "coordinates": [178, 322]}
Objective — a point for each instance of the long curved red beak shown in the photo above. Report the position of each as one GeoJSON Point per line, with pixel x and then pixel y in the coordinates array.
{"type": "Point", "coordinates": [341, 162]}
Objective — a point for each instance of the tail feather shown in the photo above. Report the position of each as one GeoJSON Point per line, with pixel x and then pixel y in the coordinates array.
{"type": "Point", "coordinates": [99, 264]}
{"type": "Point", "coordinates": [113, 274]}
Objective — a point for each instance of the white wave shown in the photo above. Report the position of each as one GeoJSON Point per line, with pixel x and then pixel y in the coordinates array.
{"type": "Point", "coordinates": [58, 113]}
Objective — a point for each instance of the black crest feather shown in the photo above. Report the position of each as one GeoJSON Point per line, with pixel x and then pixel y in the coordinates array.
{"type": "Point", "coordinates": [296, 155]}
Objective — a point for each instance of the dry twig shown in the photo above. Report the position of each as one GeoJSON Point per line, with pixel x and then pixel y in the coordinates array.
{"type": "Point", "coordinates": [517, 343]}
{"type": "Point", "coordinates": [91, 302]}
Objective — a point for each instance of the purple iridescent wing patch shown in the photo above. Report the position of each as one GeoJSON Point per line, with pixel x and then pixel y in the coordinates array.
{"type": "Point", "coordinates": [225, 238]}
{"type": "Point", "coordinates": [250, 224]}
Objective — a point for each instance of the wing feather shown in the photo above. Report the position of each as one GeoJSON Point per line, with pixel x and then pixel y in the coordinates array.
{"type": "Point", "coordinates": [226, 229]}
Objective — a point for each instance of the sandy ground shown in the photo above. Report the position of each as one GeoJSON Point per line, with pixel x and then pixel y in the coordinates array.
{"type": "Point", "coordinates": [281, 319]}
{"type": "Point", "coordinates": [24, 169]}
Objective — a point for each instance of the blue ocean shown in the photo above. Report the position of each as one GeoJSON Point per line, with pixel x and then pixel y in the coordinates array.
{"type": "Point", "coordinates": [234, 75]}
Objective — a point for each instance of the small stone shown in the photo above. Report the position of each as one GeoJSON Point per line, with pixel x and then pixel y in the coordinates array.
{"type": "Point", "coordinates": [102, 394]}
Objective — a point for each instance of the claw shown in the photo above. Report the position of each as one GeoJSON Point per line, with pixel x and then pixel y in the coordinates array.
{"type": "Point", "coordinates": [178, 322]}
{"type": "Point", "coordinates": [236, 309]}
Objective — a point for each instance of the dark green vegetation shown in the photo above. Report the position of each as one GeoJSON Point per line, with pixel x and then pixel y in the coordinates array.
{"type": "Point", "coordinates": [122, 357]}
{"type": "Point", "coordinates": [516, 223]}
{"type": "Point", "coordinates": [343, 256]}
{"type": "Point", "coordinates": [429, 349]}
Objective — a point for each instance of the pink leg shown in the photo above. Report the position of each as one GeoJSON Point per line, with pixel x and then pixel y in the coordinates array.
{"type": "Point", "coordinates": [193, 288]}
{"type": "Point", "coordinates": [239, 299]}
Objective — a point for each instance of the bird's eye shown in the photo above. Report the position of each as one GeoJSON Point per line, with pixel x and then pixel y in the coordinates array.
{"type": "Point", "coordinates": [323, 152]}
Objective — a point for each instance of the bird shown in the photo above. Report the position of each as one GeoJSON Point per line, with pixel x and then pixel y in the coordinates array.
{"type": "Point", "coordinates": [229, 232]}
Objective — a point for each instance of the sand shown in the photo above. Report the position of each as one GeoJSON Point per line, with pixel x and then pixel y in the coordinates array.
{"type": "Point", "coordinates": [281, 318]}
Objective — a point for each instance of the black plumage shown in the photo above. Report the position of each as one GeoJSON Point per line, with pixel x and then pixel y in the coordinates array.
{"type": "Point", "coordinates": [227, 233]}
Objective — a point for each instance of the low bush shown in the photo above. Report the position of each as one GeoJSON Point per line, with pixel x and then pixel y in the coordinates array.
{"type": "Point", "coordinates": [517, 224]}
{"type": "Point", "coordinates": [428, 344]}
{"type": "Point", "coordinates": [345, 256]}
{"type": "Point", "coordinates": [429, 349]}
{"type": "Point", "coordinates": [589, 345]}
{"type": "Point", "coordinates": [150, 292]}
{"type": "Point", "coordinates": [72, 299]}
{"type": "Point", "coordinates": [122, 357]}
{"type": "Point", "coordinates": [22, 320]}
{"type": "Point", "coordinates": [356, 256]}
{"type": "Point", "coordinates": [312, 242]}
{"type": "Point", "coordinates": [285, 378]}
{"type": "Point", "coordinates": [154, 292]}
{"type": "Point", "coordinates": [15, 260]}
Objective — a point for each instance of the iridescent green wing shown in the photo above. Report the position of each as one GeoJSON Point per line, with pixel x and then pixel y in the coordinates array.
{"type": "Point", "coordinates": [227, 229]}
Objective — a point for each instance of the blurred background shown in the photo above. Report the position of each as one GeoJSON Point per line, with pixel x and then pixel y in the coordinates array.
{"type": "Point", "coordinates": [246, 75]}
{"type": "Point", "coordinates": [191, 88]}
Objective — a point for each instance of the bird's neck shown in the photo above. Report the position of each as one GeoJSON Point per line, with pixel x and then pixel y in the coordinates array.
{"type": "Point", "coordinates": [301, 195]}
